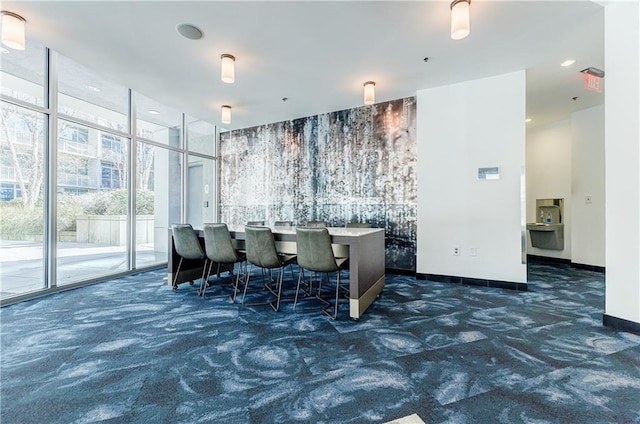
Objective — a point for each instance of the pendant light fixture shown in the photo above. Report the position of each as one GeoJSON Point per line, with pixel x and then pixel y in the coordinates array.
{"type": "Point", "coordinates": [227, 71]}
{"type": "Point", "coordinates": [12, 30]}
{"type": "Point", "coordinates": [460, 26]}
{"type": "Point", "coordinates": [226, 114]}
{"type": "Point", "coordinates": [369, 93]}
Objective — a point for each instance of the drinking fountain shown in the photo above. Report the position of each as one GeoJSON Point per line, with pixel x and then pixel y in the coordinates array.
{"type": "Point", "coordinates": [548, 230]}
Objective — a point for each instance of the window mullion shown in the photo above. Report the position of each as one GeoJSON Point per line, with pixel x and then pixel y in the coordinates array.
{"type": "Point", "coordinates": [132, 184]}
{"type": "Point", "coordinates": [51, 178]}
{"type": "Point", "coordinates": [185, 168]}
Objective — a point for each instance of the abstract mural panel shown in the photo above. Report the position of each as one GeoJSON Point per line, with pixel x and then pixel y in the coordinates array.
{"type": "Point", "coordinates": [355, 165]}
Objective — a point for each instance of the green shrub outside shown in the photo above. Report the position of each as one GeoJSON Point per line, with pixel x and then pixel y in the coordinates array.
{"type": "Point", "coordinates": [18, 222]}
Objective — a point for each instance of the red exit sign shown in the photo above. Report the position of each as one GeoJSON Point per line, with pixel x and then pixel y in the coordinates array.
{"type": "Point", "coordinates": [592, 82]}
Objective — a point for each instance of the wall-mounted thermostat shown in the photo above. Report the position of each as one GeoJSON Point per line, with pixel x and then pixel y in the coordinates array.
{"type": "Point", "coordinates": [492, 173]}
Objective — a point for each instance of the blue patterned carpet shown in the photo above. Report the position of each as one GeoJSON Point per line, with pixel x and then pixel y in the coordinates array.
{"type": "Point", "coordinates": [131, 350]}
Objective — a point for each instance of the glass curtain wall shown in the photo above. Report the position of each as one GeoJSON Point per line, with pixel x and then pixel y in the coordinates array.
{"type": "Point", "coordinates": [23, 132]}
{"type": "Point", "coordinates": [159, 177]}
{"type": "Point", "coordinates": [159, 190]}
{"type": "Point", "coordinates": [21, 203]}
{"type": "Point", "coordinates": [92, 163]}
{"type": "Point", "coordinates": [116, 187]}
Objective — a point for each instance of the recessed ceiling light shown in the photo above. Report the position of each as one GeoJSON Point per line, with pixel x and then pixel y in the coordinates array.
{"type": "Point", "coordinates": [527, 120]}
{"type": "Point", "coordinates": [189, 31]}
{"type": "Point", "coordinates": [153, 112]}
{"type": "Point", "coordinates": [567, 62]}
{"type": "Point", "coordinates": [92, 88]}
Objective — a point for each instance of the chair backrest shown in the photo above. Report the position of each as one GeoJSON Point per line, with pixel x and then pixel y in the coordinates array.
{"type": "Point", "coordinates": [186, 242]}
{"type": "Point", "coordinates": [314, 249]}
{"type": "Point", "coordinates": [317, 224]}
{"type": "Point", "coordinates": [217, 244]}
{"type": "Point", "coordinates": [258, 223]}
{"type": "Point", "coordinates": [283, 224]}
{"type": "Point", "coordinates": [358, 225]}
{"type": "Point", "coordinates": [261, 247]}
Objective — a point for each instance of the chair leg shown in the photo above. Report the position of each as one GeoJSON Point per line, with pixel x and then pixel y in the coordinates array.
{"type": "Point", "coordinates": [300, 277]}
{"type": "Point", "coordinates": [275, 291]}
{"type": "Point", "coordinates": [279, 294]}
{"type": "Point", "coordinates": [307, 288]}
{"type": "Point", "coordinates": [174, 284]}
{"type": "Point", "coordinates": [313, 276]}
{"type": "Point", "coordinates": [335, 312]}
{"type": "Point", "coordinates": [335, 308]}
{"type": "Point", "coordinates": [205, 279]}
{"type": "Point", "coordinates": [241, 276]}
{"type": "Point", "coordinates": [246, 284]}
{"type": "Point", "coordinates": [235, 285]}
{"type": "Point", "coordinates": [209, 275]}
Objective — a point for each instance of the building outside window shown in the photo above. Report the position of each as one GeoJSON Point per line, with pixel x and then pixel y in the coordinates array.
{"type": "Point", "coordinates": [111, 143]}
{"type": "Point", "coordinates": [110, 176]}
{"type": "Point", "coordinates": [9, 192]}
{"type": "Point", "coordinates": [74, 139]}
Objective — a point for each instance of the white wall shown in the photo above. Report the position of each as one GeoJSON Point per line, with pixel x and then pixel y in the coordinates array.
{"type": "Point", "coordinates": [588, 180]}
{"type": "Point", "coordinates": [460, 128]}
{"type": "Point", "coordinates": [549, 177]}
{"type": "Point", "coordinates": [622, 152]}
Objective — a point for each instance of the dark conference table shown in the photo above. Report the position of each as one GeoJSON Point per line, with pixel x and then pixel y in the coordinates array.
{"type": "Point", "coordinates": [365, 247]}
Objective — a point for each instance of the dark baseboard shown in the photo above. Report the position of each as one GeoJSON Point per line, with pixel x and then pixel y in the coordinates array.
{"type": "Point", "coordinates": [620, 324]}
{"type": "Point", "coordinates": [548, 260]}
{"type": "Point", "coordinates": [396, 271]}
{"type": "Point", "coordinates": [473, 281]}
{"type": "Point", "coordinates": [594, 268]}
{"type": "Point", "coordinates": [561, 261]}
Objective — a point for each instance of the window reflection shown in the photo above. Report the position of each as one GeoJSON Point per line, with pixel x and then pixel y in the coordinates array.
{"type": "Point", "coordinates": [85, 95]}
{"type": "Point", "coordinates": [157, 122]}
{"type": "Point", "coordinates": [202, 136]}
{"type": "Point", "coordinates": [23, 73]}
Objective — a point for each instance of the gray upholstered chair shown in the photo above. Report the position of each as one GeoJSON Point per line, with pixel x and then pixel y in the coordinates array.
{"type": "Point", "coordinates": [358, 225]}
{"type": "Point", "coordinates": [315, 254]}
{"type": "Point", "coordinates": [261, 252]}
{"type": "Point", "coordinates": [219, 249]}
{"type": "Point", "coordinates": [240, 244]}
{"type": "Point", "coordinates": [317, 224]}
{"type": "Point", "coordinates": [187, 247]}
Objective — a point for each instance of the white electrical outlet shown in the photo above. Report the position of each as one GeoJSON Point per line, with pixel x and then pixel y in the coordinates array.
{"type": "Point", "coordinates": [587, 199]}
{"type": "Point", "coordinates": [473, 251]}
{"type": "Point", "coordinates": [456, 251]}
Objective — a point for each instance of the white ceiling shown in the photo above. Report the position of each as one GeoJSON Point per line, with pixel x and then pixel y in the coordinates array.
{"type": "Point", "coordinates": [319, 54]}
